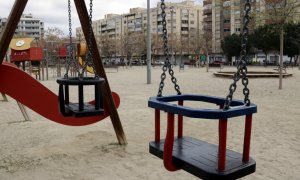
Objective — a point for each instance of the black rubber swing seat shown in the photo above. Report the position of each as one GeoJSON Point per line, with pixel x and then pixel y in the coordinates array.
{"type": "Point", "coordinates": [80, 109]}
{"type": "Point", "coordinates": [202, 159]}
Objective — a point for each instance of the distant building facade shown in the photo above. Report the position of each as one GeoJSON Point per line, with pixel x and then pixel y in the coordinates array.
{"type": "Point", "coordinates": [184, 17]}
{"type": "Point", "coordinates": [225, 17]}
{"type": "Point", "coordinates": [28, 26]}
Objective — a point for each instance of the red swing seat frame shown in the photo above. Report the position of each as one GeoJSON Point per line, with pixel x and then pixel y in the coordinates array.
{"type": "Point", "coordinates": [202, 159]}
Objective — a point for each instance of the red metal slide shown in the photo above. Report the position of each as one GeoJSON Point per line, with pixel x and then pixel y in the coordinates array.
{"type": "Point", "coordinates": [27, 90]}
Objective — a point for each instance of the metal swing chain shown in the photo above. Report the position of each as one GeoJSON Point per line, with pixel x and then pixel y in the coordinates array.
{"type": "Point", "coordinates": [70, 61]}
{"type": "Point", "coordinates": [242, 63]}
{"type": "Point", "coordinates": [89, 57]}
{"type": "Point", "coordinates": [167, 64]}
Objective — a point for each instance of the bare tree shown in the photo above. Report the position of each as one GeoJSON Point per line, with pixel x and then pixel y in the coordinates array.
{"type": "Point", "coordinates": [279, 12]}
{"type": "Point", "coordinates": [52, 39]}
{"type": "Point", "coordinates": [108, 48]}
{"type": "Point", "coordinates": [139, 44]}
{"type": "Point", "coordinates": [206, 45]}
{"type": "Point", "coordinates": [156, 46]}
{"type": "Point", "coordinates": [176, 46]}
{"type": "Point", "coordinates": [132, 44]}
{"type": "Point", "coordinates": [53, 34]}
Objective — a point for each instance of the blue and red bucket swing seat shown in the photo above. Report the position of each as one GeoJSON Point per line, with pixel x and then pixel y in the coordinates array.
{"type": "Point", "coordinates": [202, 159]}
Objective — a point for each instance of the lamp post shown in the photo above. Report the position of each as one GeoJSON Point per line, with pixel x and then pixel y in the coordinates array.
{"type": "Point", "coordinates": [148, 44]}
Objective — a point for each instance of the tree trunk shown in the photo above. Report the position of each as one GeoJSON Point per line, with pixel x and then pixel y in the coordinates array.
{"type": "Point", "coordinates": [207, 58]}
{"type": "Point", "coordinates": [281, 58]}
{"type": "Point", "coordinates": [299, 60]}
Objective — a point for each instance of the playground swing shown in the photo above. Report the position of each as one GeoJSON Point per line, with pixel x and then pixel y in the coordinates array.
{"type": "Point", "coordinates": [80, 109]}
{"type": "Point", "coordinates": [202, 159]}
{"type": "Point", "coordinates": [40, 99]}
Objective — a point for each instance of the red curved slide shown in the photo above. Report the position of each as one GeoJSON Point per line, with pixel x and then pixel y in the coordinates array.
{"type": "Point", "coordinates": [25, 89]}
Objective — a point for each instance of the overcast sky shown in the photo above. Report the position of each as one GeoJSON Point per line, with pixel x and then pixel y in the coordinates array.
{"type": "Point", "coordinates": [55, 12]}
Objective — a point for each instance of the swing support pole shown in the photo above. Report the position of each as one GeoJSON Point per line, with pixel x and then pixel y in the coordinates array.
{"type": "Point", "coordinates": [11, 25]}
{"type": "Point", "coordinates": [108, 99]}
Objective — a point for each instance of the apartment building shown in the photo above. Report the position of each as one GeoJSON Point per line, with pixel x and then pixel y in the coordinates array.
{"type": "Point", "coordinates": [225, 17]}
{"type": "Point", "coordinates": [184, 21]}
{"type": "Point", "coordinates": [28, 26]}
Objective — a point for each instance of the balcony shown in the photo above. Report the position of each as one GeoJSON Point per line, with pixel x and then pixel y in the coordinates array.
{"type": "Point", "coordinates": [184, 32]}
{"type": "Point", "coordinates": [184, 18]}
{"type": "Point", "coordinates": [207, 19]}
{"type": "Point", "coordinates": [207, 27]}
{"type": "Point", "coordinates": [138, 29]}
{"type": "Point", "coordinates": [130, 24]}
{"type": "Point", "coordinates": [29, 25]}
{"type": "Point", "coordinates": [184, 25]}
{"type": "Point", "coordinates": [227, 25]}
{"type": "Point", "coordinates": [206, 2]}
{"type": "Point", "coordinates": [138, 16]}
{"type": "Point", "coordinates": [207, 11]}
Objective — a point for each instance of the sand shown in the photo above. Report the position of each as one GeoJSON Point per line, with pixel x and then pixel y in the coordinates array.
{"type": "Point", "coordinates": [41, 149]}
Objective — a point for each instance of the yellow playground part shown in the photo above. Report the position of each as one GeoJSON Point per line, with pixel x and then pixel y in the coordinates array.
{"type": "Point", "coordinates": [88, 68]}
{"type": "Point", "coordinates": [81, 52]}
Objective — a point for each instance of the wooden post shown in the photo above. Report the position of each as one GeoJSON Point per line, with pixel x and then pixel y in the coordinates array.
{"type": "Point", "coordinates": [108, 99]}
{"type": "Point", "coordinates": [11, 25]}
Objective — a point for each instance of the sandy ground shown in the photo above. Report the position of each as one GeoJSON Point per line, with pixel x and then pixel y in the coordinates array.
{"type": "Point", "coordinates": [42, 149]}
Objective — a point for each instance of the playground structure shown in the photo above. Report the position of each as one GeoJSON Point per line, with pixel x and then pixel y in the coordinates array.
{"type": "Point", "coordinates": [200, 158]}
{"type": "Point", "coordinates": [31, 93]}
{"type": "Point", "coordinates": [22, 51]}
{"type": "Point", "coordinates": [38, 60]}
{"type": "Point", "coordinates": [81, 54]}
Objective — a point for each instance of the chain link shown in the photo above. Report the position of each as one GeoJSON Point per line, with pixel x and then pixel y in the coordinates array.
{"type": "Point", "coordinates": [242, 63]}
{"type": "Point", "coordinates": [89, 56]}
{"type": "Point", "coordinates": [167, 64]}
{"type": "Point", "coordinates": [89, 59]}
{"type": "Point", "coordinates": [70, 60]}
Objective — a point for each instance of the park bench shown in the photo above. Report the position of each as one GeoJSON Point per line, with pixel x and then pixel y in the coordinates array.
{"type": "Point", "coordinates": [216, 65]}
{"type": "Point", "coordinates": [284, 67]}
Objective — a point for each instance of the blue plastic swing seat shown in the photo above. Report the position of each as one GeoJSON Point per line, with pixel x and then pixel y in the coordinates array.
{"type": "Point", "coordinates": [199, 157]}
{"type": "Point", "coordinates": [237, 108]}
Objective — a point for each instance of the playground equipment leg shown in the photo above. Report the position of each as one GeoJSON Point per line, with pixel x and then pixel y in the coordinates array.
{"type": "Point", "coordinates": [4, 97]}
{"type": "Point", "coordinates": [23, 110]}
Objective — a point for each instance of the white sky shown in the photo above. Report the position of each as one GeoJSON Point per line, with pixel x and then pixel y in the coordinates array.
{"type": "Point", "coordinates": [55, 12]}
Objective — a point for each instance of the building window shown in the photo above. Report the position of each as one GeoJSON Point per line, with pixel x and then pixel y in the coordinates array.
{"type": "Point", "coordinates": [184, 29]}
{"type": "Point", "coordinates": [226, 4]}
{"type": "Point", "coordinates": [226, 12]}
{"type": "Point", "coordinates": [184, 21]}
{"type": "Point", "coordinates": [192, 22]}
{"type": "Point", "coordinates": [237, 29]}
{"type": "Point", "coordinates": [226, 20]}
{"type": "Point", "coordinates": [226, 29]}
